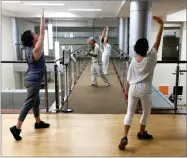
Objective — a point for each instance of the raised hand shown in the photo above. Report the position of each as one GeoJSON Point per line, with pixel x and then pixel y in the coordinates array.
{"type": "Point", "coordinates": [107, 28]}
{"type": "Point", "coordinates": [42, 14]}
{"type": "Point", "coordinates": [158, 20]}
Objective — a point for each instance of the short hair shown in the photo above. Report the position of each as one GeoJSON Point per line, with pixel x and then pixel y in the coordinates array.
{"type": "Point", "coordinates": [27, 38]}
{"type": "Point", "coordinates": [141, 47]}
{"type": "Point", "coordinates": [91, 39]}
{"type": "Point", "coordinates": [102, 40]}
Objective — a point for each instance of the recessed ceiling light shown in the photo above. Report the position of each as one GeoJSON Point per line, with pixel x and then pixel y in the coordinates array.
{"type": "Point", "coordinates": [86, 10]}
{"type": "Point", "coordinates": [58, 15]}
{"type": "Point", "coordinates": [62, 19]}
{"type": "Point", "coordinates": [45, 4]}
{"type": "Point", "coordinates": [11, 1]}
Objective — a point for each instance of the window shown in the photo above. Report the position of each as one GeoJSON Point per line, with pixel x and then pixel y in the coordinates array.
{"type": "Point", "coordinates": [171, 44]}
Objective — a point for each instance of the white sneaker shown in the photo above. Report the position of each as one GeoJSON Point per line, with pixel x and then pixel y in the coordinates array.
{"type": "Point", "coordinates": [108, 85]}
{"type": "Point", "coordinates": [94, 85]}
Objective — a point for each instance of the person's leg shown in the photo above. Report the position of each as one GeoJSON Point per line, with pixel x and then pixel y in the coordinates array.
{"type": "Point", "coordinates": [104, 63]}
{"type": "Point", "coordinates": [132, 103]}
{"type": "Point", "coordinates": [32, 91]}
{"type": "Point", "coordinates": [103, 76]}
{"type": "Point", "coordinates": [36, 112]}
{"type": "Point", "coordinates": [107, 64]}
{"type": "Point", "coordinates": [146, 107]}
{"type": "Point", "coordinates": [94, 74]}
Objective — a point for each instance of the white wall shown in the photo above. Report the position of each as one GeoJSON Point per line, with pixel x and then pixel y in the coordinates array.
{"type": "Point", "coordinates": [154, 31]}
{"type": "Point", "coordinates": [163, 72]}
{"type": "Point", "coordinates": [24, 25]}
{"type": "Point", "coordinates": [177, 16]}
{"type": "Point", "coordinates": [183, 43]}
{"type": "Point", "coordinates": [163, 76]}
{"type": "Point", "coordinates": [7, 54]}
{"type": "Point", "coordinates": [9, 78]}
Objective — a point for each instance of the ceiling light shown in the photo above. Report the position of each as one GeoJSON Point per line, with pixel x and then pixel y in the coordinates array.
{"type": "Point", "coordinates": [11, 1]}
{"type": "Point", "coordinates": [50, 36]}
{"type": "Point", "coordinates": [45, 4]}
{"type": "Point", "coordinates": [46, 43]}
{"type": "Point", "coordinates": [86, 10]}
{"type": "Point", "coordinates": [58, 15]}
{"type": "Point", "coordinates": [57, 50]}
{"type": "Point", "coordinates": [62, 19]}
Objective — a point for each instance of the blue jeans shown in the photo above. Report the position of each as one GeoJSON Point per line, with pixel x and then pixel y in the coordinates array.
{"type": "Point", "coordinates": [32, 101]}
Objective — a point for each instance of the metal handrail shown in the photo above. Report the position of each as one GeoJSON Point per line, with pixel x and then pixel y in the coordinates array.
{"type": "Point", "coordinates": [172, 62]}
{"type": "Point", "coordinates": [181, 70]}
{"type": "Point", "coordinates": [83, 47]}
{"type": "Point", "coordinates": [19, 44]}
{"type": "Point", "coordinates": [48, 61]}
{"type": "Point", "coordinates": [23, 61]}
{"type": "Point", "coordinates": [127, 57]}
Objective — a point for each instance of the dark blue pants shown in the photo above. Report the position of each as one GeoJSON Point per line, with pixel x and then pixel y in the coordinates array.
{"type": "Point", "coordinates": [32, 101]}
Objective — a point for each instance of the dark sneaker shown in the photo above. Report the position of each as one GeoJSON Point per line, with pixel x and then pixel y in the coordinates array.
{"type": "Point", "coordinates": [94, 85]}
{"type": "Point", "coordinates": [123, 143]}
{"type": "Point", "coordinates": [16, 133]}
{"type": "Point", "coordinates": [144, 136]}
{"type": "Point", "coordinates": [41, 125]}
{"type": "Point", "coordinates": [108, 85]}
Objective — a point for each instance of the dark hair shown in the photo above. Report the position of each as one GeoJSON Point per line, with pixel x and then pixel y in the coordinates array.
{"type": "Point", "coordinates": [141, 47]}
{"type": "Point", "coordinates": [27, 38]}
{"type": "Point", "coordinates": [102, 40]}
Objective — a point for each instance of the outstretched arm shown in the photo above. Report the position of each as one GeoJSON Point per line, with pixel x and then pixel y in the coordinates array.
{"type": "Point", "coordinates": [37, 52]}
{"type": "Point", "coordinates": [159, 35]}
{"type": "Point", "coordinates": [106, 35]}
{"type": "Point", "coordinates": [104, 31]}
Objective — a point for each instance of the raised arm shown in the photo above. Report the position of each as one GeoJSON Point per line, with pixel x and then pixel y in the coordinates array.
{"type": "Point", "coordinates": [104, 31]}
{"type": "Point", "coordinates": [159, 35]}
{"type": "Point", "coordinates": [106, 35]}
{"type": "Point", "coordinates": [37, 52]}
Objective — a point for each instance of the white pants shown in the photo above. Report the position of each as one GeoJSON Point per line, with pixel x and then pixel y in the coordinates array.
{"type": "Point", "coordinates": [133, 98]}
{"type": "Point", "coordinates": [105, 61]}
{"type": "Point", "coordinates": [96, 70]}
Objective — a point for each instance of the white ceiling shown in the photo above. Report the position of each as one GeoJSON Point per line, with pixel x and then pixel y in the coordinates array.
{"type": "Point", "coordinates": [109, 9]}
{"type": "Point", "coordinates": [116, 8]}
{"type": "Point", "coordinates": [159, 7]}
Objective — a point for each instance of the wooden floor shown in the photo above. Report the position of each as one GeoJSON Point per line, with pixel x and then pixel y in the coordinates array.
{"type": "Point", "coordinates": [94, 135]}
{"type": "Point", "coordinates": [86, 99]}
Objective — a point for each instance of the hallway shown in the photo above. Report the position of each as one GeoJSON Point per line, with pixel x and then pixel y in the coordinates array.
{"type": "Point", "coordinates": [86, 99]}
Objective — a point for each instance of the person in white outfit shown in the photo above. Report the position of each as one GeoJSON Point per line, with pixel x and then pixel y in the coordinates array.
{"type": "Point", "coordinates": [96, 55]}
{"type": "Point", "coordinates": [139, 85]}
{"type": "Point", "coordinates": [107, 50]}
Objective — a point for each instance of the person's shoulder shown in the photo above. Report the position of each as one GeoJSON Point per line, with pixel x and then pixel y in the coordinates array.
{"type": "Point", "coordinates": [153, 50]}
{"type": "Point", "coordinates": [28, 49]}
{"type": "Point", "coordinates": [97, 47]}
{"type": "Point", "coordinates": [133, 60]}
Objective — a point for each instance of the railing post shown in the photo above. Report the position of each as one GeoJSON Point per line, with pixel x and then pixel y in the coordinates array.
{"type": "Point", "coordinates": [56, 88]}
{"type": "Point", "coordinates": [176, 87]}
{"type": "Point", "coordinates": [62, 89]}
{"type": "Point", "coordinates": [46, 91]}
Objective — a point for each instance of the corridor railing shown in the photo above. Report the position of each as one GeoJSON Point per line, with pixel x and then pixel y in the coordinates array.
{"type": "Point", "coordinates": [168, 96]}
{"type": "Point", "coordinates": [15, 92]}
{"type": "Point", "coordinates": [71, 73]}
{"type": "Point", "coordinates": [121, 62]}
{"type": "Point", "coordinates": [54, 73]}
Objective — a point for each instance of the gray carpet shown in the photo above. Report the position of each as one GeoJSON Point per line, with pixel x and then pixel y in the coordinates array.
{"type": "Point", "coordinates": [86, 99]}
